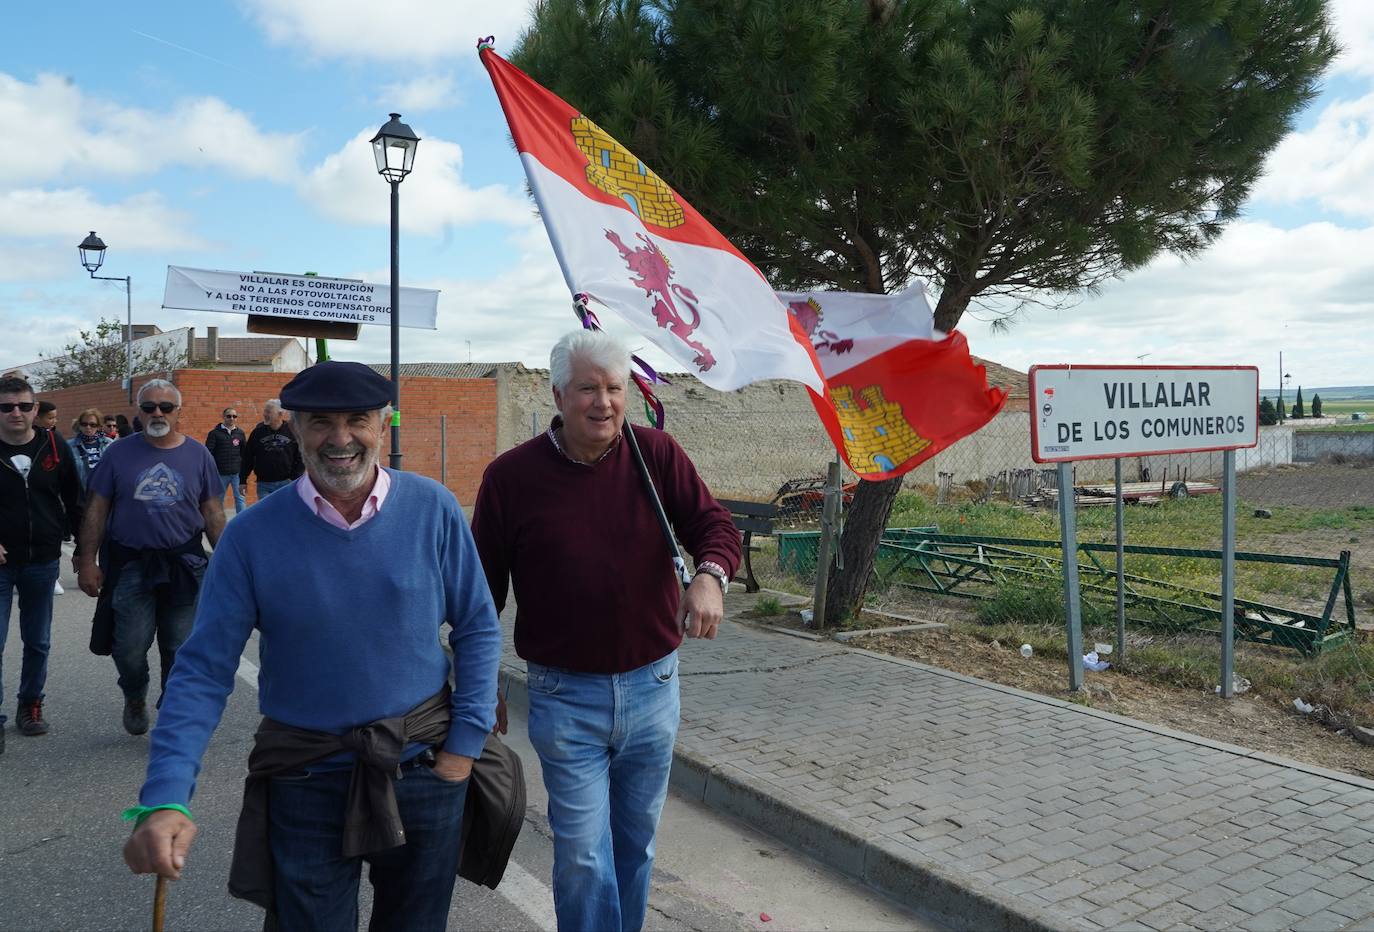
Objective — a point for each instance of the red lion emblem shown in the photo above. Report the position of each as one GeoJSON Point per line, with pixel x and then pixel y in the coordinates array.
{"type": "Point", "coordinates": [808, 314]}
{"type": "Point", "coordinates": [653, 273]}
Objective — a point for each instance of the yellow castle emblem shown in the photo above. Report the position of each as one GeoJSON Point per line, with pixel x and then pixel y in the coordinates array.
{"type": "Point", "coordinates": [877, 438]}
{"type": "Point", "coordinates": [612, 168]}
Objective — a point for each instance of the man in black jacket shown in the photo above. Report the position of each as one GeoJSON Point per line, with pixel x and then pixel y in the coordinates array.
{"type": "Point", "coordinates": [225, 443]}
{"type": "Point", "coordinates": [272, 452]}
{"type": "Point", "coordinates": [40, 494]}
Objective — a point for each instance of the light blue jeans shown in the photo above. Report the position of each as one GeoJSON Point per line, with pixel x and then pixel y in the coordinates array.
{"type": "Point", "coordinates": [606, 745]}
{"type": "Point", "coordinates": [267, 488]}
{"type": "Point", "coordinates": [33, 582]}
{"type": "Point", "coordinates": [231, 483]}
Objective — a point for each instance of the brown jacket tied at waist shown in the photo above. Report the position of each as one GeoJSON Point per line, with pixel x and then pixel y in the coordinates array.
{"type": "Point", "coordinates": [372, 821]}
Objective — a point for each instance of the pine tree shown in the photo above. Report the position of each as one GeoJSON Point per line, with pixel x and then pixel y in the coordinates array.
{"type": "Point", "coordinates": [1000, 147]}
{"type": "Point", "coordinates": [1297, 405]}
{"type": "Point", "coordinates": [1268, 416]}
{"type": "Point", "coordinates": [1316, 405]}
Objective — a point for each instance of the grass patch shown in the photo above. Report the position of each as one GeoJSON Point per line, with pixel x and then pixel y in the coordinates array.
{"type": "Point", "coordinates": [768, 606]}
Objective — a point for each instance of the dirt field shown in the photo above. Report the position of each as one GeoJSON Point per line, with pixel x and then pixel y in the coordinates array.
{"type": "Point", "coordinates": [1315, 486]}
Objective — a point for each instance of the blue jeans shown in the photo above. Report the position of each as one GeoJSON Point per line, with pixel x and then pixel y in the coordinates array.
{"type": "Point", "coordinates": [34, 582]}
{"type": "Point", "coordinates": [606, 745]}
{"type": "Point", "coordinates": [232, 483]}
{"type": "Point", "coordinates": [140, 614]}
{"type": "Point", "coordinates": [267, 488]}
{"type": "Point", "coordinates": [412, 885]}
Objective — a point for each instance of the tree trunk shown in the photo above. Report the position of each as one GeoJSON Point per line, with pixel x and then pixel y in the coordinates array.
{"type": "Point", "coordinates": [863, 527]}
{"type": "Point", "coordinates": [866, 518]}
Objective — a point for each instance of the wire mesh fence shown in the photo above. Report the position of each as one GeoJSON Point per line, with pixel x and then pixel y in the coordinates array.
{"type": "Point", "coordinates": [975, 535]}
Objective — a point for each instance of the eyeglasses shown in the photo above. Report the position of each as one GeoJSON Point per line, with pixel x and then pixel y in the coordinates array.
{"type": "Point", "coordinates": [166, 407]}
{"type": "Point", "coordinates": [231, 417]}
{"type": "Point", "coordinates": [7, 406]}
{"type": "Point", "coordinates": [89, 424]}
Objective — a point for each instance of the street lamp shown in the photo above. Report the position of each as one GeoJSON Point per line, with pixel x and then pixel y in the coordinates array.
{"type": "Point", "coordinates": [92, 251]}
{"type": "Point", "coordinates": [394, 149]}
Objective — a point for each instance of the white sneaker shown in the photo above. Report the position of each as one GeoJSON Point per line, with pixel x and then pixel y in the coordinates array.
{"type": "Point", "coordinates": [57, 588]}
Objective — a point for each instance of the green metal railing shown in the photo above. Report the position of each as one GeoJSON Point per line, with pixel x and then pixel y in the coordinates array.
{"type": "Point", "coordinates": [975, 567]}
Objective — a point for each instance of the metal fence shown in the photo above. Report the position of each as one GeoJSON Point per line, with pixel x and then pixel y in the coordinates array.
{"type": "Point", "coordinates": [975, 532]}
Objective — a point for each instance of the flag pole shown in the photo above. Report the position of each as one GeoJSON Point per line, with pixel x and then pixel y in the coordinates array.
{"type": "Point", "coordinates": [588, 320]}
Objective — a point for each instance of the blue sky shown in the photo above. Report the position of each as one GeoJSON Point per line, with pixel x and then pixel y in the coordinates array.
{"type": "Point", "coordinates": [233, 135]}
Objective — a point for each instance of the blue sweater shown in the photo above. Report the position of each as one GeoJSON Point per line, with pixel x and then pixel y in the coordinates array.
{"type": "Point", "coordinates": [348, 627]}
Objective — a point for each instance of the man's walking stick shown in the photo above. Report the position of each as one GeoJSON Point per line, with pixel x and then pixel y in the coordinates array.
{"type": "Point", "coordinates": [159, 903]}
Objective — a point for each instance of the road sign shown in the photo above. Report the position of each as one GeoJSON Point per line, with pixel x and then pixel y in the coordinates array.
{"type": "Point", "coordinates": [1101, 412]}
{"type": "Point", "coordinates": [307, 297]}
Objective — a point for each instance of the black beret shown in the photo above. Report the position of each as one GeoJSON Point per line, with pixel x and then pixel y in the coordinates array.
{"type": "Point", "coordinates": [336, 386]}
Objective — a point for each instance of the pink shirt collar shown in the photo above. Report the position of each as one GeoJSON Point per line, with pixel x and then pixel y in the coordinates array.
{"type": "Point", "coordinates": [322, 509]}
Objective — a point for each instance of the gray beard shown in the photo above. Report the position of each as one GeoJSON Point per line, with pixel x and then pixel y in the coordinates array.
{"type": "Point", "coordinates": [158, 430]}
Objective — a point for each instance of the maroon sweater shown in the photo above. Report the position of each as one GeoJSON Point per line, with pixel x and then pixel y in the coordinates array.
{"type": "Point", "coordinates": [594, 585]}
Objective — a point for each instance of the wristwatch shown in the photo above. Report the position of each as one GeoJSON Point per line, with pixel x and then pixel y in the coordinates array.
{"type": "Point", "coordinates": [716, 570]}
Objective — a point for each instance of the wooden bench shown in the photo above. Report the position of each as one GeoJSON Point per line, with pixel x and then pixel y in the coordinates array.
{"type": "Point", "coordinates": [751, 518]}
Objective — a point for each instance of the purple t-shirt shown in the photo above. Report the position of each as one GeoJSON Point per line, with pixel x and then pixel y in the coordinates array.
{"type": "Point", "coordinates": [155, 495]}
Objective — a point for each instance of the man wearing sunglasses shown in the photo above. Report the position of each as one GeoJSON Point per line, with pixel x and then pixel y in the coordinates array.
{"type": "Point", "coordinates": [225, 443]}
{"type": "Point", "coordinates": [149, 501]}
{"type": "Point", "coordinates": [39, 507]}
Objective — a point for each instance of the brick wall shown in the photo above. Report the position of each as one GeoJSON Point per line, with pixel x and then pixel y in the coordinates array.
{"type": "Point", "coordinates": [469, 405]}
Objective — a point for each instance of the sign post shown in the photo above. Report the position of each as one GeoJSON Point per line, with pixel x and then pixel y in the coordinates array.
{"type": "Point", "coordinates": [1110, 412]}
{"type": "Point", "coordinates": [1120, 567]}
{"type": "Point", "coordinates": [1068, 534]}
{"type": "Point", "coordinates": [1228, 574]}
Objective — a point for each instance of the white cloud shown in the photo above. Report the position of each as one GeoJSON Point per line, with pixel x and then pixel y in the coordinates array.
{"type": "Point", "coordinates": [1332, 163]}
{"type": "Point", "coordinates": [423, 92]}
{"type": "Point", "coordinates": [68, 133]}
{"type": "Point", "coordinates": [144, 221]}
{"type": "Point", "coordinates": [1354, 20]}
{"type": "Point", "coordinates": [401, 30]}
{"type": "Point", "coordinates": [1259, 290]}
{"type": "Point", "coordinates": [346, 187]}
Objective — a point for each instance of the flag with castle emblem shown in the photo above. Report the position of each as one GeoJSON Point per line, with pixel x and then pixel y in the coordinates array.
{"type": "Point", "coordinates": [626, 239]}
{"type": "Point", "coordinates": [902, 391]}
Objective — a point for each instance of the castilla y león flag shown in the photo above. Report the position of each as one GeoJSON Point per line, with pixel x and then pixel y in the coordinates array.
{"type": "Point", "coordinates": [626, 239]}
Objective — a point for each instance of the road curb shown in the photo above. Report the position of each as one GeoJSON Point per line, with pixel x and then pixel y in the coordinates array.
{"type": "Point", "coordinates": [921, 884]}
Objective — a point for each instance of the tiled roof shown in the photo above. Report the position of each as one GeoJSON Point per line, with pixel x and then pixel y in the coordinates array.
{"type": "Point", "coordinates": [243, 349]}
{"type": "Point", "coordinates": [445, 370]}
{"type": "Point", "coordinates": [1016, 383]}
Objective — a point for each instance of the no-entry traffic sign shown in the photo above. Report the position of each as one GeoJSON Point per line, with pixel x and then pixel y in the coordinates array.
{"type": "Point", "coordinates": [1103, 412]}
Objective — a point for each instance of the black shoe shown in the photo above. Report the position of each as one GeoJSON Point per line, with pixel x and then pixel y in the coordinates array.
{"type": "Point", "coordinates": [29, 721]}
{"type": "Point", "coordinates": [135, 716]}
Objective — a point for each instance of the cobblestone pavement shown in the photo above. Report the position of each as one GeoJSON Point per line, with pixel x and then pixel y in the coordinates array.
{"type": "Point", "coordinates": [1001, 807]}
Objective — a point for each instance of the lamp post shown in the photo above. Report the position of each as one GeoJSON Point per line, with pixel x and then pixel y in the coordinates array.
{"type": "Point", "coordinates": [394, 149]}
{"type": "Point", "coordinates": [92, 251]}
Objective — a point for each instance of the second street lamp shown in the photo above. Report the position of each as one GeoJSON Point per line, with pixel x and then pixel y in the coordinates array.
{"type": "Point", "coordinates": [92, 251]}
{"type": "Point", "coordinates": [394, 149]}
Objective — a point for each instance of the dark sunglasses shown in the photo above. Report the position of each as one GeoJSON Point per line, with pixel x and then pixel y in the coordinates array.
{"type": "Point", "coordinates": [89, 424]}
{"type": "Point", "coordinates": [166, 407]}
{"type": "Point", "coordinates": [7, 406]}
{"type": "Point", "coordinates": [231, 417]}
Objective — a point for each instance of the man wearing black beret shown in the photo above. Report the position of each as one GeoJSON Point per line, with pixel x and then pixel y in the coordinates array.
{"type": "Point", "coordinates": [363, 741]}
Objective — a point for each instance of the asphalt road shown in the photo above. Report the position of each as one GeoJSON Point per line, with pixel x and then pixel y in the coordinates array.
{"type": "Point", "coordinates": [60, 832]}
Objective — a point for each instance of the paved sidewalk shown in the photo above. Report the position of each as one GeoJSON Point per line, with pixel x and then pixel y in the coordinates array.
{"type": "Point", "coordinates": [1004, 809]}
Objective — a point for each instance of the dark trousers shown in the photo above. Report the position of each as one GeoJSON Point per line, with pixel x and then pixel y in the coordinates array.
{"type": "Point", "coordinates": [140, 615]}
{"type": "Point", "coordinates": [412, 885]}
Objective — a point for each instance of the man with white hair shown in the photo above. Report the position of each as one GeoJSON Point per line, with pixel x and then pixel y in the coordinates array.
{"type": "Point", "coordinates": [272, 452]}
{"type": "Point", "coordinates": [599, 617]}
{"type": "Point", "coordinates": [149, 501]}
{"type": "Point", "coordinates": [365, 750]}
